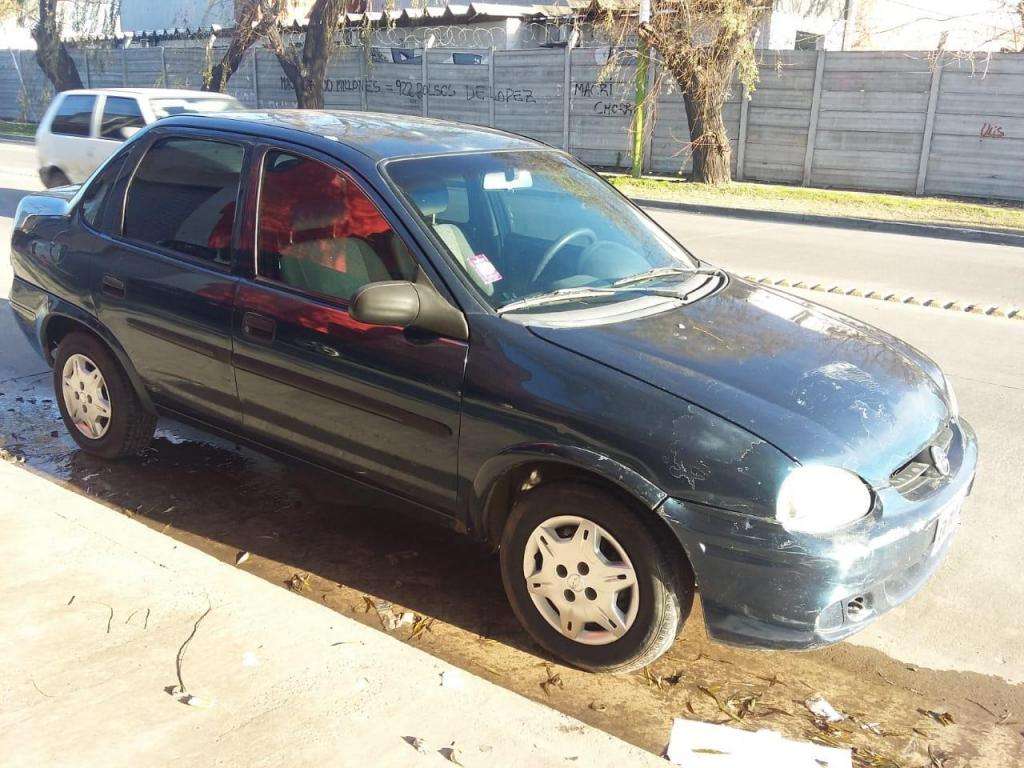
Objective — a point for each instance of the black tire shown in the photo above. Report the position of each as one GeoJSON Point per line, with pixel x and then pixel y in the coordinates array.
{"type": "Point", "coordinates": [665, 582]}
{"type": "Point", "coordinates": [55, 177]}
{"type": "Point", "coordinates": [130, 428]}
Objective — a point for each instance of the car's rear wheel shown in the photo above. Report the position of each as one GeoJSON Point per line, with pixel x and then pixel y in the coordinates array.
{"type": "Point", "coordinates": [589, 579]}
{"type": "Point", "coordinates": [55, 177]}
{"type": "Point", "coordinates": [99, 406]}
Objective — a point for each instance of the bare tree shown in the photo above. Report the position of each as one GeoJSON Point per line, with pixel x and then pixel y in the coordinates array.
{"type": "Point", "coordinates": [701, 43]}
{"type": "Point", "coordinates": [255, 20]}
{"type": "Point", "coordinates": [47, 18]}
{"type": "Point", "coordinates": [305, 70]}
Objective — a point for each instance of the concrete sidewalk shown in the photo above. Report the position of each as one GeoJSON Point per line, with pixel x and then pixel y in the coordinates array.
{"type": "Point", "coordinates": [97, 607]}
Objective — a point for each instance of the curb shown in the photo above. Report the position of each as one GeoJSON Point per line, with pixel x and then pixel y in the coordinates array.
{"type": "Point", "coordinates": [16, 138]}
{"type": "Point", "coordinates": [994, 237]}
{"type": "Point", "coordinates": [1009, 313]}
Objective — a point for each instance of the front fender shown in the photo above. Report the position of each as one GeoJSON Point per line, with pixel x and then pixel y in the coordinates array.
{"type": "Point", "coordinates": [496, 468]}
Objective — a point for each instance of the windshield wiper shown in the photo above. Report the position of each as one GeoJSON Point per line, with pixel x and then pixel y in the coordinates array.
{"type": "Point", "coordinates": [554, 297]}
{"type": "Point", "coordinates": [651, 274]}
{"type": "Point", "coordinates": [583, 292]}
{"type": "Point", "coordinates": [657, 272]}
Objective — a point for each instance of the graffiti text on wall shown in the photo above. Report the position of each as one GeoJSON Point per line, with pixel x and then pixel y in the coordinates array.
{"type": "Point", "coordinates": [414, 90]}
{"type": "Point", "coordinates": [992, 131]}
{"type": "Point", "coordinates": [606, 104]}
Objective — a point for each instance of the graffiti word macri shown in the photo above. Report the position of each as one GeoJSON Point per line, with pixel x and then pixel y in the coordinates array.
{"type": "Point", "coordinates": [604, 92]}
{"type": "Point", "coordinates": [412, 89]}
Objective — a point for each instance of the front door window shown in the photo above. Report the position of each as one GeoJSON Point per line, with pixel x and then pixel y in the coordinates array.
{"type": "Point", "coordinates": [320, 233]}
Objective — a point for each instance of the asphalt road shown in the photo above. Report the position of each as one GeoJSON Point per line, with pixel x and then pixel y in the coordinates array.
{"type": "Point", "coordinates": [926, 267]}
{"type": "Point", "coordinates": [967, 619]}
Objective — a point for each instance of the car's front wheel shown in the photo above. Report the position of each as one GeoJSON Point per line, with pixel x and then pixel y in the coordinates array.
{"type": "Point", "coordinates": [97, 401]}
{"type": "Point", "coordinates": [589, 579]}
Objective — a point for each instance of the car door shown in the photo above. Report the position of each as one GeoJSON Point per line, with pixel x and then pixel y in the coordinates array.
{"type": "Point", "coordinates": [166, 288]}
{"type": "Point", "coordinates": [379, 403]}
{"type": "Point", "coordinates": [70, 137]}
{"type": "Point", "coordinates": [118, 118]}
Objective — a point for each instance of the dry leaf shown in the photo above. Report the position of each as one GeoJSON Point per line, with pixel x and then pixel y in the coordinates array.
{"type": "Point", "coordinates": [416, 743]}
{"type": "Point", "coordinates": [450, 754]}
{"type": "Point", "coordinates": [942, 718]}
{"type": "Point", "coordinates": [298, 583]}
{"type": "Point", "coordinates": [554, 680]}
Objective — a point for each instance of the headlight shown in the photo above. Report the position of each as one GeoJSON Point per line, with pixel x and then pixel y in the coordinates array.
{"type": "Point", "coordinates": [820, 499]}
{"type": "Point", "coordinates": [954, 405]}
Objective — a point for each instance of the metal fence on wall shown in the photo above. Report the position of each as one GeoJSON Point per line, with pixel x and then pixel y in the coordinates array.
{"type": "Point", "coordinates": [859, 120]}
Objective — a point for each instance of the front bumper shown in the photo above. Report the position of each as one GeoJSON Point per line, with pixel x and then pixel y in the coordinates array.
{"type": "Point", "coordinates": [765, 587]}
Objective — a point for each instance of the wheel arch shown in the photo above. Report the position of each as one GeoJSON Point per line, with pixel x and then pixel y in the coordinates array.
{"type": "Point", "coordinates": [63, 320]}
{"type": "Point", "coordinates": [502, 478]}
{"type": "Point", "coordinates": [46, 173]}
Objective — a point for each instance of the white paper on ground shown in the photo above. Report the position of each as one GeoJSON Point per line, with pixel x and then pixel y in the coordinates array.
{"type": "Point", "coordinates": [820, 708]}
{"type": "Point", "coordinates": [706, 745]}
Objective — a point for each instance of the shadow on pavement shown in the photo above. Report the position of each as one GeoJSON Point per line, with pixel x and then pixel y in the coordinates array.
{"type": "Point", "coordinates": [9, 199]}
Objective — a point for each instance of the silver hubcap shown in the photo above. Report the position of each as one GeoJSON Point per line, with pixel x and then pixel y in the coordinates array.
{"type": "Point", "coordinates": [581, 580]}
{"type": "Point", "coordinates": [85, 396]}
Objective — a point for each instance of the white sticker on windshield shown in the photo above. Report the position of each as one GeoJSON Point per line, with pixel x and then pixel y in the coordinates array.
{"type": "Point", "coordinates": [484, 269]}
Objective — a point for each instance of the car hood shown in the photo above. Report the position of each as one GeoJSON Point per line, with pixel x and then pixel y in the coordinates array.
{"type": "Point", "coordinates": [819, 386]}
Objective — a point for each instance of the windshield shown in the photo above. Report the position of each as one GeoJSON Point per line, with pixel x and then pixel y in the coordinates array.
{"type": "Point", "coordinates": [530, 223]}
{"type": "Point", "coordinates": [165, 107]}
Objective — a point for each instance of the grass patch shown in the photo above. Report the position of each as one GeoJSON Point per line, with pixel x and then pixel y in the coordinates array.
{"type": "Point", "coordinates": [13, 128]}
{"type": "Point", "coordinates": [830, 202]}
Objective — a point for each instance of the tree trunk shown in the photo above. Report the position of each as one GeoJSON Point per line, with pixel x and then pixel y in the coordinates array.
{"type": "Point", "coordinates": [316, 50]}
{"type": "Point", "coordinates": [709, 141]}
{"type": "Point", "coordinates": [312, 94]}
{"type": "Point", "coordinates": [306, 72]}
{"type": "Point", "coordinates": [51, 54]}
{"type": "Point", "coordinates": [217, 80]}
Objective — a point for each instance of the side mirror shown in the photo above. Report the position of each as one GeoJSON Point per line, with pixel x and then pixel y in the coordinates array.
{"type": "Point", "coordinates": [129, 130]}
{"type": "Point", "coordinates": [408, 305]}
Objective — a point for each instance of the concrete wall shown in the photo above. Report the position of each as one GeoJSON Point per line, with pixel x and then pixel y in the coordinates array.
{"type": "Point", "coordinates": [886, 121]}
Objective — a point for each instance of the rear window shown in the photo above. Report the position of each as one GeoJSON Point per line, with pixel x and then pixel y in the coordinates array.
{"type": "Point", "coordinates": [121, 117]}
{"type": "Point", "coordinates": [183, 196]}
{"type": "Point", "coordinates": [73, 116]}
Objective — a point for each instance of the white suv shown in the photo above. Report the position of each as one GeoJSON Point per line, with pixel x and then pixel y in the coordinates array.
{"type": "Point", "coordinates": [83, 128]}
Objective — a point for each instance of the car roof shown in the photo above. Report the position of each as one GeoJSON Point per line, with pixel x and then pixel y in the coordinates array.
{"type": "Point", "coordinates": [166, 93]}
{"type": "Point", "coordinates": [379, 136]}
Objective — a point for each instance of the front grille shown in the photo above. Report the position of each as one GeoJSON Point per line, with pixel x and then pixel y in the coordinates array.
{"type": "Point", "coordinates": [920, 469]}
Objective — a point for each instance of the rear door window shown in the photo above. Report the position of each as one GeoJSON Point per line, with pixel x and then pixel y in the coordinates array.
{"type": "Point", "coordinates": [121, 117]}
{"type": "Point", "coordinates": [74, 116]}
{"type": "Point", "coordinates": [183, 198]}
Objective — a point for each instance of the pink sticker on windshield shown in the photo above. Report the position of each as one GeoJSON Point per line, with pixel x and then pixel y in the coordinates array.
{"type": "Point", "coordinates": [484, 269]}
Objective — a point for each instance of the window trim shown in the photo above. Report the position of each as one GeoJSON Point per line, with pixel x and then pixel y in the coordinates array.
{"type": "Point", "coordinates": [160, 136]}
{"type": "Point", "coordinates": [338, 167]}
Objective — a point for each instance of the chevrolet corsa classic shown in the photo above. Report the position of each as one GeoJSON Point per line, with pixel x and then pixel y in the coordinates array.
{"type": "Point", "coordinates": [484, 328]}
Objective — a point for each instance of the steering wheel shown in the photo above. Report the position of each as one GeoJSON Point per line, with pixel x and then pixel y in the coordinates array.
{"type": "Point", "coordinates": [563, 241]}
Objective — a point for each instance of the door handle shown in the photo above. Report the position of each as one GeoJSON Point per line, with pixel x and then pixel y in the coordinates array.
{"type": "Point", "coordinates": [112, 286]}
{"type": "Point", "coordinates": [258, 327]}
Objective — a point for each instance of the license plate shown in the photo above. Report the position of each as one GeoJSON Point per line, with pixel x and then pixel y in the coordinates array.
{"type": "Point", "coordinates": [949, 521]}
